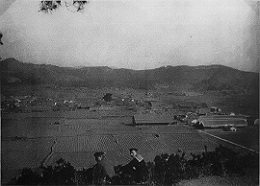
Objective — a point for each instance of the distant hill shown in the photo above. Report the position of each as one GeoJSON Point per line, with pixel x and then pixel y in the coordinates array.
{"type": "Point", "coordinates": [213, 77]}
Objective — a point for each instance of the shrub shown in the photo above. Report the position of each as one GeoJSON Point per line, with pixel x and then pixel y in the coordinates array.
{"type": "Point", "coordinates": [27, 177]}
{"type": "Point", "coordinates": [107, 97]}
{"type": "Point", "coordinates": [229, 161]}
{"type": "Point", "coordinates": [124, 176]}
{"type": "Point", "coordinates": [62, 173]}
{"type": "Point", "coordinates": [165, 170]}
{"type": "Point", "coordinates": [84, 176]}
{"type": "Point", "coordinates": [250, 160]}
{"type": "Point", "coordinates": [169, 169]}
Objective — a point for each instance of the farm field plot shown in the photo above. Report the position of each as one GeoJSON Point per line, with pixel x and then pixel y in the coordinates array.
{"type": "Point", "coordinates": [38, 128]}
{"type": "Point", "coordinates": [127, 141]}
{"type": "Point", "coordinates": [79, 150]}
{"type": "Point", "coordinates": [76, 141]}
{"type": "Point", "coordinates": [81, 114]}
{"type": "Point", "coordinates": [44, 115]}
{"type": "Point", "coordinates": [27, 152]}
{"type": "Point", "coordinates": [115, 113]}
{"type": "Point", "coordinates": [18, 154]}
{"type": "Point", "coordinates": [86, 143]}
{"type": "Point", "coordinates": [116, 144]}
{"type": "Point", "coordinates": [77, 114]}
{"type": "Point", "coordinates": [110, 121]}
{"type": "Point", "coordinates": [127, 120]}
{"type": "Point", "coordinates": [117, 129]}
{"type": "Point", "coordinates": [23, 128]}
{"type": "Point", "coordinates": [166, 129]}
{"type": "Point", "coordinates": [188, 142]}
{"type": "Point", "coordinates": [87, 126]}
{"type": "Point", "coordinates": [248, 137]}
{"type": "Point", "coordinates": [236, 148]}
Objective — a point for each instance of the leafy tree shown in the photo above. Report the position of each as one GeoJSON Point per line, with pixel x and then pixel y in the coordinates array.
{"type": "Point", "coordinates": [107, 97]}
{"type": "Point", "coordinates": [49, 6]}
{"type": "Point", "coordinates": [79, 4]}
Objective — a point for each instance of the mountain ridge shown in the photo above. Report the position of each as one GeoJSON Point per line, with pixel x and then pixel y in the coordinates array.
{"type": "Point", "coordinates": [118, 68]}
{"type": "Point", "coordinates": [202, 77]}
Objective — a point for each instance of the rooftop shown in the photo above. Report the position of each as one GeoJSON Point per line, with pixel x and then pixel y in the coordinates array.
{"type": "Point", "coordinates": [223, 120]}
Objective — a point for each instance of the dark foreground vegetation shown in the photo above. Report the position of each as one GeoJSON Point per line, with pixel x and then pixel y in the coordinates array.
{"type": "Point", "coordinates": [166, 169]}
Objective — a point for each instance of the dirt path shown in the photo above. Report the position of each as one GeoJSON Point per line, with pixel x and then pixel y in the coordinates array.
{"type": "Point", "coordinates": [48, 157]}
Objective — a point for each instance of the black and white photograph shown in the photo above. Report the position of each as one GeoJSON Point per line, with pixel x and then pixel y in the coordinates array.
{"type": "Point", "coordinates": [130, 92]}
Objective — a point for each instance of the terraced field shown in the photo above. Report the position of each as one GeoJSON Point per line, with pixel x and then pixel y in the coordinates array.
{"type": "Point", "coordinates": [28, 144]}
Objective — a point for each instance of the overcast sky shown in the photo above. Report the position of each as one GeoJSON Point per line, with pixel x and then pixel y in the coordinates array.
{"type": "Point", "coordinates": [137, 34]}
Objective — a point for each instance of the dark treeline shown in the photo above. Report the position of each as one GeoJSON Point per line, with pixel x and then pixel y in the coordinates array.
{"type": "Point", "coordinates": [166, 169]}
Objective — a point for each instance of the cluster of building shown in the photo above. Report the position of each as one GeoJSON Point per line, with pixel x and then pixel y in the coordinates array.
{"type": "Point", "coordinates": [34, 104]}
{"type": "Point", "coordinates": [196, 116]}
{"type": "Point", "coordinates": [19, 103]}
{"type": "Point", "coordinates": [148, 109]}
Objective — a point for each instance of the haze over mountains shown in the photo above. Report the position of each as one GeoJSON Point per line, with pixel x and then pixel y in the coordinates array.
{"type": "Point", "coordinates": [213, 77]}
